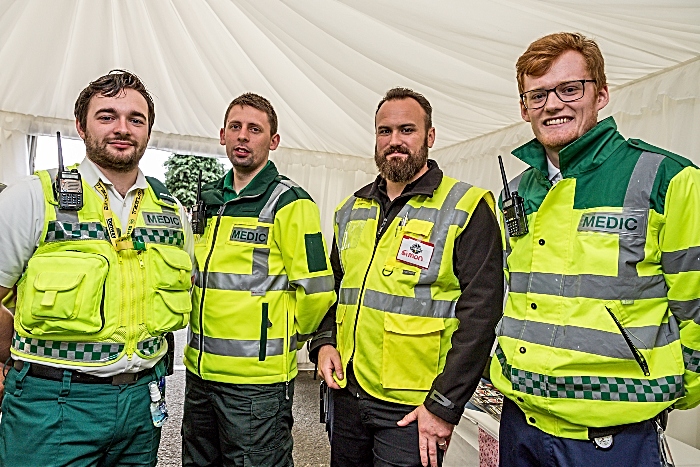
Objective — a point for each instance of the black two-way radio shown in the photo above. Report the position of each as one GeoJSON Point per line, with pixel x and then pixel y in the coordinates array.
{"type": "Point", "coordinates": [199, 219]}
{"type": "Point", "coordinates": [513, 208]}
{"type": "Point", "coordinates": [68, 187]}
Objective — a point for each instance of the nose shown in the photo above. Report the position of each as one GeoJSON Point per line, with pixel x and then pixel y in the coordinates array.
{"type": "Point", "coordinates": [553, 103]}
{"type": "Point", "coordinates": [243, 134]}
{"type": "Point", "coordinates": [395, 138]}
{"type": "Point", "coordinates": [122, 126]}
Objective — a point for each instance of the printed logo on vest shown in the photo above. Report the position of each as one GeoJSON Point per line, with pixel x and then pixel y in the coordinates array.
{"type": "Point", "coordinates": [628, 223]}
{"type": "Point", "coordinates": [163, 219]}
{"type": "Point", "coordinates": [415, 252]}
{"type": "Point", "coordinates": [256, 236]}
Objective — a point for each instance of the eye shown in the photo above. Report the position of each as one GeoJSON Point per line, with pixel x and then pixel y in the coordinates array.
{"type": "Point", "coordinates": [408, 130]}
{"type": "Point", "coordinates": [137, 121]}
{"type": "Point", "coordinates": [537, 96]}
{"type": "Point", "coordinates": [234, 126]}
{"type": "Point", "coordinates": [383, 131]}
{"type": "Point", "coordinates": [255, 129]}
{"type": "Point", "coordinates": [105, 118]}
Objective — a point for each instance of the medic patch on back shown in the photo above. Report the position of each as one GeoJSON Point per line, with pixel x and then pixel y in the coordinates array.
{"type": "Point", "coordinates": [627, 222]}
{"type": "Point", "coordinates": [162, 219]}
{"type": "Point", "coordinates": [257, 236]}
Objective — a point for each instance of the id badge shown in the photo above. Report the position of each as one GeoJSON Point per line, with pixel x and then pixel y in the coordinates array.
{"type": "Point", "coordinates": [415, 252]}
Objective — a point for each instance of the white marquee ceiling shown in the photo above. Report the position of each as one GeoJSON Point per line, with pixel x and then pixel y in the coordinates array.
{"type": "Point", "coordinates": [324, 64]}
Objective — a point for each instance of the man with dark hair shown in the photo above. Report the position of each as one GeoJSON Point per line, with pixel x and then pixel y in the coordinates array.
{"type": "Point", "coordinates": [601, 331]}
{"type": "Point", "coordinates": [100, 280]}
{"type": "Point", "coordinates": [417, 265]}
{"type": "Point", "coordinates": [262, 285]}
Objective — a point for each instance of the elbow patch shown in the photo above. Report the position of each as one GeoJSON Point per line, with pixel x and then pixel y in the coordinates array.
{"type": "Point", "coordinates": [315, 255]}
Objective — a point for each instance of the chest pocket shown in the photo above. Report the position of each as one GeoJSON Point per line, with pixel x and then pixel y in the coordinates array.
{"type": "Point", "coordinates": [415, 228]}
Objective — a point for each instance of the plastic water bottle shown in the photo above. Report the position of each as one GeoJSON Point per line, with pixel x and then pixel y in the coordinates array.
{"type": "Point", "coordinates": [159, 412]}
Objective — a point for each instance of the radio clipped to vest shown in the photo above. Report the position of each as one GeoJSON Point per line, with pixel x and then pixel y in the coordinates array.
{"type": "Point", "coordinates": [199, 218]}
{"type": "Point", "coordinates": [513, 208]}
{"type": "Point", "coordinates": [68, 187]}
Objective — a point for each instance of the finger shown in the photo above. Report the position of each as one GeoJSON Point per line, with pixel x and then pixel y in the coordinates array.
{"type": "Point", "coordinates": [338, 365]}
{"type": "Point", "coordinates": [423, 448]}
{"type": "Point", "coordinates": [432, 452]}
{"type": "Point", "coordinates": [410, 417]}
{"type": "Point", "coordinates": [328, 378]}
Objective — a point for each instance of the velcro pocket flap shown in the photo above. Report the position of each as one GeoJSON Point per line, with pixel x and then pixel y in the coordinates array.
{"type": "Point", "coordinates": [419, 227]}
{"type": "Point", "coordinates": [175, 257]}
{"type": "Point", "coordinates": [265, 408]}
{"type": "Point", "coordinates": [412, 325]}
{"type": "Point", "coordinates": [178, 301]}
{"type": "Point", "coordinates": [51, 283]}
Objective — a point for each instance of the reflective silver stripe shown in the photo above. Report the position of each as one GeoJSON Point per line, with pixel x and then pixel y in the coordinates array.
{"type": "Point", "coordinates": [686, 310]}
{"type": "Point", "coordinates": [589, 286]}
{"type": "Point", "coordinates": [409, 305]}
{"type": "Point", "coordinates": [242, 282]}
{"type": "Point", "coordinates": [323, 335]}
{"type": "Point", "coordinates": [67, 217]}
{"type": "Point", "coordinates": [314, 285]}
{"type": "Point", "coordinates": [674, 262]}
{"type": "Point", "coordinates": [592, 341]}
{"type": "Point", "coordinates": [348, 296]}
{"type": "Point", "coordinates": [440, 399]}
{"type": "Point", "coordinates": [236, 347]}
{"type": "Point", "coordinates": [261, 270]}
{"type": "Point", "coordinates": [267, 214]}
{"type": "Point", "coordinates": [363, 214]}
{"type": "Point", "coordinates": [301, 338]}
{"type": "Point", "coordinates": [342, 217]}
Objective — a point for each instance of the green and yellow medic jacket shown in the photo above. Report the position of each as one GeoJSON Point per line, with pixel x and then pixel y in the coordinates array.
{"type": "Point", "coordinates": [262, 281]}
{"type": "Point", "coordinates": [82, 303]}
{"type": "Point", "coordinates": [395, 320]}
{"type": "Point", "coordinates": [602, 322]}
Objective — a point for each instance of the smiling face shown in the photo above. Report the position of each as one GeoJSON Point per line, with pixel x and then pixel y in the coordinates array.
{"type": "Point", "coordinates": [116, 132]}
{"type": "Point", "coordinates": [558, 123]}
{"type": "Point", "coordinates": [402, 140]}
{"type": "Point", "coordinates": [247, 139]}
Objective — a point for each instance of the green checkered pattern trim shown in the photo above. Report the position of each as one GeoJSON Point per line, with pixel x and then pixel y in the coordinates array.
{"type": "Point", "coordinates": [69, 351]}
{"type": "Point", "coordinates": [603, 388]}
{"type": "Point", "coordinates": [150, 346]}
{"type": "Point", "coordinates": [142, 236]}
{"type": "Point", "coordinates": [58, 231]}
{"type": "Point", "coordinates": [691, 358]}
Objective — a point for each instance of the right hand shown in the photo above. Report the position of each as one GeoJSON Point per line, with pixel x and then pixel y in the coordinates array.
{"type": "Point", "coordinates": [329, 362]}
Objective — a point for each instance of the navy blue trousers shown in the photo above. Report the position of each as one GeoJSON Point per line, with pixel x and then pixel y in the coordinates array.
{"type": "Point", "coordinates": [523, 445]}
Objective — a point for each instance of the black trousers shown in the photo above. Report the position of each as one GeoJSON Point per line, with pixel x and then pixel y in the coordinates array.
{"type": "Point", "coordinates": [237, 425]}
{"type": "Point", "coordinates": [365, 433]}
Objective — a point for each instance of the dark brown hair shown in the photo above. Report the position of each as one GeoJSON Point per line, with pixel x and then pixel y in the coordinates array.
{"type": "Point", "coordinates": [539, 56]}
{"type": "Point", "coordinates": [405, 93]}
{"type": "Point", "coordinates": [257, 102]}
{"type": "Point", "coordinates": [110, 85]}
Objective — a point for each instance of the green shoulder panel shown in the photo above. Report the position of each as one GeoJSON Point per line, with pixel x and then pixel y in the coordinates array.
{"type": "Point", "coordinates": [531, 185]}
{"type": "Point", "coordinates": [161, 191]}
{"type": "Point", "coordinates": [671, 166]}
{"type": "Point", "coordinates": [295, 193]}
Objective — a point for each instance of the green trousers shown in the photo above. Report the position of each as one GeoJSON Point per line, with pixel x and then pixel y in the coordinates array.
{"type": "Point", "coordinates": [59, 423]}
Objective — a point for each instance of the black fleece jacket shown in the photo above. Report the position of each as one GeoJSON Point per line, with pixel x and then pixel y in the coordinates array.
{"type": "Point", "coordinates": [477, 264]}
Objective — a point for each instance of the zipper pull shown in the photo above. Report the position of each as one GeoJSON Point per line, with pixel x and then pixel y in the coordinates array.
{"type": "Point", "coordinates": [286, 390]}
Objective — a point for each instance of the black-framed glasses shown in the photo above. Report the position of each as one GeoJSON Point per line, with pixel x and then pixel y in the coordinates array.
{"type": "Point", "coordinates": [566, 92]}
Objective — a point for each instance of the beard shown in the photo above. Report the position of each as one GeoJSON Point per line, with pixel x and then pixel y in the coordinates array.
{"type": "Point", "coordinates": [397, 170]}
{"type": "Point", "coordinates": [98, 153]}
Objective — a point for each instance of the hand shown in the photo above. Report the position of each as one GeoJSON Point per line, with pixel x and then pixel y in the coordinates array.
{"type": "Point", "coordinates": [328, 362]}
{"type": "Point", "coordinates": [433, 433]}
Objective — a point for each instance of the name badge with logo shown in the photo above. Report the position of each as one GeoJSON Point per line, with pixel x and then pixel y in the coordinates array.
{"type": "Point", "coordinates": [415, 252]}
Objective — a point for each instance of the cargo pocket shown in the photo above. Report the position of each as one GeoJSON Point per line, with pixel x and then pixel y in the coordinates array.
{"type": "Point", "coordinates": [264, 423]}
{"type": "Point", "coordinates": [63, 294]}
{"type": "Point", "coordinates": [412, 346]}
{"type": "Point", "coordinates": [171, 304]}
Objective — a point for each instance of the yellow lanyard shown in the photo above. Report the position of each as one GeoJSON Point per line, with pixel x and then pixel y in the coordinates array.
{"type": "Point", "coordinates": [123, 242]}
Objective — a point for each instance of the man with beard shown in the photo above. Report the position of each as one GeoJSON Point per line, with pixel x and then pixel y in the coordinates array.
{"type": "Point", "coordinates": [601, 330]}
{"type": "Point", "coordinates": [262, 285]}
{"type": "Point", "coordinates": [418, 275]}
{"type": "Point", "coordinates": [98, 287]}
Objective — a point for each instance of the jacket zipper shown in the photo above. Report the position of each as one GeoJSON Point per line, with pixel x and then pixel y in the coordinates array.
{"type": "Point", "coordinates": [362, 289]}
{"type": "Point", "coordinates": [641, 361]}
{"type": "Point", "coordinates": [204, 273]}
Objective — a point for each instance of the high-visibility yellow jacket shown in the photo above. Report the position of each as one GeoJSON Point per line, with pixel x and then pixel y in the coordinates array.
{"type": "Point", "coordinates": [394, 319]}
{"type": "Point", "coordinates": [81, 302]}
{"type": "Point", "coordinates": [602, 323]}
{"type": "Point", "coordinates": [262, 281]}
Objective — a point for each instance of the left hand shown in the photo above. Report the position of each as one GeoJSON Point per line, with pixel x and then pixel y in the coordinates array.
{"type": "Point", "coordinates": [433, 433]}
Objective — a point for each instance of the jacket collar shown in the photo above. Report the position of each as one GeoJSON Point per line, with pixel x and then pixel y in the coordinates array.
{"type": "Point", "coordinates": [425, 185]}
{"type": "Point", "coordinates": [584, 154]}
{"type": "Point", "coordinates": [257, 186]}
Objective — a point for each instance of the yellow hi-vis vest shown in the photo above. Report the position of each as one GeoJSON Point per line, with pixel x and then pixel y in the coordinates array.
{"type": "Point", "coordinates": [588, 338]}
{"type": "Point", "coordinates": [257, 294]}
{"type": "Point", "coordinates": [395, 320]}
{"type": "Point", "coordinates": [81, 302]}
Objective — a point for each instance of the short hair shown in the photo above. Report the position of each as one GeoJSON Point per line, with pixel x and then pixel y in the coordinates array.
{"type": "Point", "coordinates": [539, 56]}
{"type": "Point", "coordinates": [405, 93]}
{"type": "Point", "coordinates": [257, 102]}
{"type": "Point", "coordinates": [110, 85]}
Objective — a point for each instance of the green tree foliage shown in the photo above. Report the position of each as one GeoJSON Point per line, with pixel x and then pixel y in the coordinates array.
{"type": "Point", "coordinates": [182, 172]}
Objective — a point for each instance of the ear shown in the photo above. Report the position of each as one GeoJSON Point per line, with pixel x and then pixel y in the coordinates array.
{"type": "Point", "coordinates": [603, 97]}
{"type": "Point", "coordinates": [80, 129]}
{"type": "Point", "coordinates": [523, 112]}
{"type": "Point", "coordinates": [274, 142]}
{"type": "Point", "coordinates": [222, 139]}
{"type": "Point", "coordinates": [431, 137]}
